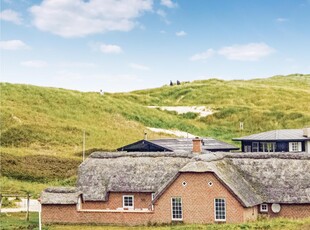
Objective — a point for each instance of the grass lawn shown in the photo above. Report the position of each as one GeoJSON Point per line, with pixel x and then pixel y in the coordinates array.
{"type": "Point", "coordinates": [18, 221]}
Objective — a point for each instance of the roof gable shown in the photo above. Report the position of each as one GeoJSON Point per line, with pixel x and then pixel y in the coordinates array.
{"type": "Point", "coordinates": [144, 146]}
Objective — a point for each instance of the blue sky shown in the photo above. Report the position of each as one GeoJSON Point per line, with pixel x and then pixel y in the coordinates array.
{"type": "Point", "coordinates": [122, 45]}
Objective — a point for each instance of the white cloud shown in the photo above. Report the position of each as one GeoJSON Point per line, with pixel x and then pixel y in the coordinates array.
{"type": "Point", "coordinates": [77, 18]}
{"type": "Point", "coordinates": [202, 56]}
{"type": "Point", "coordinates": [281, 20]}
{"type": "Point", "coordinates": [11, 16]}
{"type": "Point", "coordinates": [34, 64]}
{"type": "Point", "coordinates": [168, 3]}
{"type": "Point", "coordinates": [138, 66]}
{"type": "Point", "coordinates": [247, 52]}
{"type": "Point", "coordinates": [163, 16]}
{"type": "Point", "coordinates": [110, 49]}
{"type": "Point", "coordinates": [181, 33]}
{"type": "Point", "coordinates": [13, 45]}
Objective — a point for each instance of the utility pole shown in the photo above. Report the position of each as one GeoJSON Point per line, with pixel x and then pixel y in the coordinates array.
{"type": "Point", "coordinates": [83, 145]}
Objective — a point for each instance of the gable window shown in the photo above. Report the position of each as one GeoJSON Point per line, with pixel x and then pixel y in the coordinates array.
{"type": "Point", "coordinates": [295, 146]}
{"type": "Point", "coordinates": [264, 208]}
{"type": "Point", "coordinates": [128, 201]}
{"type": "Point", "coordinates": [176, 208]}
{"type": "Point", "coordinates": [220, 209]}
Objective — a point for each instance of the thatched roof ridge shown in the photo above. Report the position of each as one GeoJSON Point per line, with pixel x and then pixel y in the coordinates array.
{"type": "Point", "coordinates": [139, 154]}
{"type": "Point", "coordinates": [277, 155]}
{"type": "Point", "coordinates": [60, 195]}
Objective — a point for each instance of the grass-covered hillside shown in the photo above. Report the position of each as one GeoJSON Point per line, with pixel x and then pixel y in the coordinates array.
{"type": "Point", "coordinates": [42, 128]}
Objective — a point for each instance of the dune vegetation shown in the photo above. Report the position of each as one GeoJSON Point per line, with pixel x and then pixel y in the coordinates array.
{"type": "Point", "coordinates": [42, 128]}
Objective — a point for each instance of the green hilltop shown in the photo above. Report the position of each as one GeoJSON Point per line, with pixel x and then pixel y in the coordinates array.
{"type": "Point", "coordinates": [42, 128]}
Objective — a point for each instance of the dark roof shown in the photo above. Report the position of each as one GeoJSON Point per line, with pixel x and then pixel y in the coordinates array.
{"type": "Point", "coordinates": [184, 145]}
{"type": "Point", "coordinates": [276, 135]}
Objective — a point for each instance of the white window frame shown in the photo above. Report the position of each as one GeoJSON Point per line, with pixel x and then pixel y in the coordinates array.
{"type": "Point", "coordinates": [223, 220]}
{"type": "Point", "coordinates": [133, 201]}
{"type": "Point", "coordinates": [295, 146]}
{"type": "Point", "coordinates": [176, 219]}
{"type": "Point", "coordinates": [79, 203]}
{"type": "Point", "coordinates": [153, 197]}
{"type": "Point", "coordinates": [261, 209]}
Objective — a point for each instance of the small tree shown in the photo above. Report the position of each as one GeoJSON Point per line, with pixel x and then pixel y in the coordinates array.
{"type": "Point", "coordinates": [171, 83]}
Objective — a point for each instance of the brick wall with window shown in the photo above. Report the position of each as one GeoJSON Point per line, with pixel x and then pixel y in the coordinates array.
{"type": "Point", "coordinates": [115, 200]}
{"type": "Point", "coordinates": [289, 211]}
{"type": "Point", "coordinates": [198, 192]}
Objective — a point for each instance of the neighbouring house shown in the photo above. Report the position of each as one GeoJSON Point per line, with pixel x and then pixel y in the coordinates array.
{"type": "Point", "coordinates": [139, 188]}
{"type": "Point", "coordinates": [284, 140]}
{"type": "Point", "coordinates": [177, 145]}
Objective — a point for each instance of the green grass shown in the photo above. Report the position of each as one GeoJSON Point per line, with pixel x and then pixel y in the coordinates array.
{"type": "Point", "coordinates": [18, 221]}
{"type": "Point", "coordinates": [42, 128]}
{"type": "Point", "coordinates": [10, 221]}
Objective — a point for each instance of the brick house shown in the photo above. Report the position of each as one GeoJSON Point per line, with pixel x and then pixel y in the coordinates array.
{"type": "Point", "coordinates": [163, 187]}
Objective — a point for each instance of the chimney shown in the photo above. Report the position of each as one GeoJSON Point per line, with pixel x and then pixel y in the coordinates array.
{"type": "Point", "coordinates": [145, 135]}
{"type": "Point", "coordinates": [197, 145]}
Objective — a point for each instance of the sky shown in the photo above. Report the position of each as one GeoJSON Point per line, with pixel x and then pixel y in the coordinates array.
{"type": "Point", "coordinates": [124, 45]}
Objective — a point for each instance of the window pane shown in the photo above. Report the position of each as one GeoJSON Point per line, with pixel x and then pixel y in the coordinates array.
{"type": "Point", "coordinates": [128, 201]}
{"type": "Point", "coordinates": [176, 208]}
{"type": "Point", "coordinates": [220, 209]}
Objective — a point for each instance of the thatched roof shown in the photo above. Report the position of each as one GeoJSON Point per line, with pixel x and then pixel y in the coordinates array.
{"type": "Point", "coordinates": [60, 195]}
{"type": "Point", "coordinates": [253, 178]}
{"type": "Point", "coordinates": [127, 172]}
{"type": "Point", "coordinates": [276, 135]}
{"type": "Point", "coordinates": [278, 178]}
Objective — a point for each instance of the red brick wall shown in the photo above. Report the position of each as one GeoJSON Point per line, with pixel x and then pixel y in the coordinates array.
{"type": "Point", "coordinates": [69, 214]}
{"type": "Point", "coordinates": [250, 214]}
{"type": "Point", "coordinates": [290, 211]}
{"type": "Point", "coordinates": [198, 200]}
{"type": "Point", "coordinates": [115, 200]}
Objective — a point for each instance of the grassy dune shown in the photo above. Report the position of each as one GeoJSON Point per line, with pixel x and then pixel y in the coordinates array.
{"type": "Point", "coordinates": [42, 128]}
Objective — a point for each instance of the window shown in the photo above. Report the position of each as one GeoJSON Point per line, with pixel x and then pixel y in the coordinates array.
{"type": "Point", "coordinates": [255, 147]}
{"type": "Point", "coordinates": [264, 207]}
{"type": "Point", "coordinates": [247, 148]}
{"type": "Point", "coordinates": [128, 201]}
{"type": "Point", "coordinates": [295, 146]}
{"type": "Point", "coordinates": [267, 146]}
{"type": "Point", "coordinates": [220, 209]}
{"type": "Point", "coordinates": [153, 197]}
{"type": "Point", "coordinates": [176, 206]}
